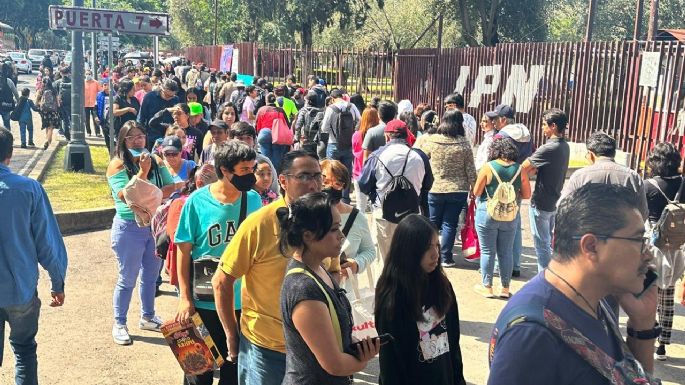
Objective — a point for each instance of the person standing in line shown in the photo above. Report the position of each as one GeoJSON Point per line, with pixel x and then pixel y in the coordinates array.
{"type": "Point", "coordinates": [550, 163]}
{"type": "Point", "coordinates": [488, 128]}
{"type": "Point", "coordinates": [248, 113]}
{"type": "Point", "coordinates": [209, 220]}
{"type": "Point", "coordinates": [451, 160]}
{"type": "Point", "coordinates": [661, 188]}
{"type": "Point", "coordinates": [456, 102]}
{"type": "Point", "coordinates": [134, 246]}
{"type": "Point", "coordinates": [375, 136]}
{"type": "Point", "coordinates": [317, 317]}
{"type": "Point", "coordinates": [254, 255]}
{"type": "Point", "coordinates": [416, 304]}
{"type": "Point", "coordinates": [29, 237]}
{"type": "Point", "coordinates": [91, 89]}
{"type": "Point", "coordinates": [125, 105]}
{"type": "Point", "coordinates": [156, 101]}
{"type": "Point", "coordinates": [369, 119]}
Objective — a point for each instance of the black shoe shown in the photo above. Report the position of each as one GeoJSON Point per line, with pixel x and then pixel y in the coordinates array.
{"type": "Point", "coordinates": [31, 144]}
{"type": "Point", "coordinates": [46, 145]}
{"type": "Point", "coordinates": [158, 292]}
{"type": "Point", "coordinates": [660, 353]}
{"type": "Point", "coordinates": [516, 273]}
{"type": "Point", "coordinates": [23, 146]}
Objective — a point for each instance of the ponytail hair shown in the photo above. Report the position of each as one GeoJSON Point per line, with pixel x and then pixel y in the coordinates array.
{"type": "Point", "coordinates": [311, 212]}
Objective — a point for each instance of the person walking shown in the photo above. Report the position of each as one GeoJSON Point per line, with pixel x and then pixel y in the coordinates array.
{"type": "Point", "coordinates": [26, 108]}
{"type": "Point", "coordinates": [317, 318]}
{"type": "Point", "coordinates": [266, 116]}
{"type": "Point", "coordinates": [29, 237]}
{"type": "Point", "coordinates": [415, 303]}
{"type": "Point", "coordinates": [134, 246]}
{"type": "Point", "coordinates": [8, 94]}
{"type": "Point", "coordinates": [496, 235]}
{"type": "Point", "coordinates": [49, 110]}
{"type": "Point", "coordinates": [454, 174]}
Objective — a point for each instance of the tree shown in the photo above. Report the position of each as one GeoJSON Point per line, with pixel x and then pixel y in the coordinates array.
{"type": "Point", "coordinates": [26, 27]}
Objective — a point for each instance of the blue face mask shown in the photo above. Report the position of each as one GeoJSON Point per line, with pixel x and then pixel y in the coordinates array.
{"type": "Point", "coordinates": [137, 152]}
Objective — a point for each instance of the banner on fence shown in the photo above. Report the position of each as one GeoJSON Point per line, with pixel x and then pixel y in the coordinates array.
{"type": "Point", "coordinates": [226, 63]}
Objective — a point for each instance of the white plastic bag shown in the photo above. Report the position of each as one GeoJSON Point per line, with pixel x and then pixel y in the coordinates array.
{"type": "Point", "coordinates": [364, 324]}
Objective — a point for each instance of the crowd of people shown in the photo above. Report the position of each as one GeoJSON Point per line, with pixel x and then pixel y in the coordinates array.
{"type": "Point", "coordinates": [261, 234]}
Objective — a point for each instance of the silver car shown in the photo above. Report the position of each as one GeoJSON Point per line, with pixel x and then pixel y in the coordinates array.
{"type": "Point", "coordinates": [22, 62]}
{"type": "Point", "coordinates": [36, 56]}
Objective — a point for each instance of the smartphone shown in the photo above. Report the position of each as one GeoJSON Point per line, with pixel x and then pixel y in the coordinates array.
{"type": "Point", "coordinates": [384, 338]}
{"type": "Point", "coordinates": [649, 280]}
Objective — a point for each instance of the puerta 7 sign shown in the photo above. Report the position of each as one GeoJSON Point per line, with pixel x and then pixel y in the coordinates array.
{"type": "Point", "coordinates": [106, 20]}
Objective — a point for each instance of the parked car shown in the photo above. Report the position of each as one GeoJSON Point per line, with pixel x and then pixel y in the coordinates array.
{"type": "Point", "coordinates": [36, 56]}
{"type": "Point", "coordinates": [22, 62]}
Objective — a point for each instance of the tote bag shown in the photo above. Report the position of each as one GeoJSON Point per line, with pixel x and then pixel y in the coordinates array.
{"type": "Point", "coordinates": [280, 132]}
{"type": "Point", "coordinates": [470, 248]}
{"type": "Point", "coordinates": [361, 301]}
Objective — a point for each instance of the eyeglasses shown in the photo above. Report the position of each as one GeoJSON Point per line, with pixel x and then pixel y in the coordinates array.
{"type": "Point", "coordinates": [307, 177]}
{"type": "Point", "coordinates": [133, 138]}
{"type": "Point", "coordinates": [643, 240]}
{"type": "Point", "coordinates": [171, 154]}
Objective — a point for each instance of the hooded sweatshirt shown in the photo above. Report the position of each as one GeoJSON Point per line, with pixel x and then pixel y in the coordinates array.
{"type": "Point", "coordinates": [521, 136]}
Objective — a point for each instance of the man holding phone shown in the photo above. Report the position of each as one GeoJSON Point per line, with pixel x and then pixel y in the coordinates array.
{"type": "Point", "coordinates": [560, 317]}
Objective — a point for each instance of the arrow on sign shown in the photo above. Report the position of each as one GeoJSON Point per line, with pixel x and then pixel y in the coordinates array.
{"type": "Point", "coordinates": [155, 23]}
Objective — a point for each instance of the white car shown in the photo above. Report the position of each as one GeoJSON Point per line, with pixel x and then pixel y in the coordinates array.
{"type": "Point", "coordinates": [21, 61]}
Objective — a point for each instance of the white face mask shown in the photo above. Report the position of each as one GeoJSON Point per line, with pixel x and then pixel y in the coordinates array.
{"type": "Point", "coordinates": [89, 77]}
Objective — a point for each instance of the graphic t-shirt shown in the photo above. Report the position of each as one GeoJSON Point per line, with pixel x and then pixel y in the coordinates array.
{"type": "Point", "coordinates": [209, 226]}
{"type": "Point", "coordinates": [522, 348]}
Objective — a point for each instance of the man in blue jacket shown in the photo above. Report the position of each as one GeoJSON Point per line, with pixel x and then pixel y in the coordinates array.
{"type": "Point", "coordinates": [29, 236]}
{"type": "Point", "coordinates": [156, 101]}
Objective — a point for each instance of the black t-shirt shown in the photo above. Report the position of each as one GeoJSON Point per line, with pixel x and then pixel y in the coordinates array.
{"type": "Point", "coordinates": [655, 200]}
{"type": "Point", "coordinates": [196, 136]}
{"type": "Point", "coordinates": [301, 366]}
{"type": "Point", "coordinates": [551, 162]}
{"type": "Point", "coordinates": [121, 119]}
{"type": "Point", "coordinates": [425, 352]}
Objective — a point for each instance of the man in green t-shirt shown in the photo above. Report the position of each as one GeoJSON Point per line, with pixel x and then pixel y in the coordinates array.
{"type": "Point", "coordinates": [283, 101]}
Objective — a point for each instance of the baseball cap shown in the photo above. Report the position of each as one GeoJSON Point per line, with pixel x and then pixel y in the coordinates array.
{"type": "Point", "coordinates": [502, 110]}
{"type": "Point", "coordinates": [195, 108]}
{"type": "Point", "coordinates": [395, 125]}
{"type": "Point", "coordinates": [171, 144]}
{"type": "Point", "coordinates": [335, 94]}
{"type": "Point", "coordinates": [219, 123]}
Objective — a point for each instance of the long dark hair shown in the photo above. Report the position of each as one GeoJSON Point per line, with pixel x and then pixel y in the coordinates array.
{"type": "Point", "coordinates": [311, 212]}
{"type": "Point", "coordinates": [403, 284]}
{"type": "Point", "coordinates": [122, 151]}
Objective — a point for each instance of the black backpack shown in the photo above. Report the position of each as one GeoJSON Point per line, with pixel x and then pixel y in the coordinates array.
{"type": "Point", "coordinates": [64, 93]}
{"type": "Point", "coordinates": [343, 127]}
{"type": "Point", "coordinates": [6, 97]}
{"type": "Point", "coordinates": [239, 101]}
{"type": "Point", "coordinates": [312, 123]}
{"type": "Point", "coordinates": [261, 99]}
{"type": "Point", "coordinates": [400, 198]}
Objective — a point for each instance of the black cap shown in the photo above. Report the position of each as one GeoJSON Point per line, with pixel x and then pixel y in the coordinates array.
{"type": "Point", "coordinates": [503, 110]}
{"type": "Point", "coordinates": [172, 143]}
{"type": "Point", "coordinates": [218, 123]}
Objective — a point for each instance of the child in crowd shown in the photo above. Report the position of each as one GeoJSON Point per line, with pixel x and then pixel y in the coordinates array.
{"type": "Point", "coordinates": [25, 108]}
{"type": "Point", "coordinates": [264, 179]}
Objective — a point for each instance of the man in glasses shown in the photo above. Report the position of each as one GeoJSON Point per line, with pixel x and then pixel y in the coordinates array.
{"type": "Point", "coordinates": [155, 101]}
{"type": "Point", "coordinates": [558, 329]}
{"type": "Point", "coordinates": [254, 256]}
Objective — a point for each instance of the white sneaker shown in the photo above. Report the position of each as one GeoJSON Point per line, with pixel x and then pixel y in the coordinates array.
{"type": "Point", "coordinates": [153, 324]}
{"type": "Point", "coordinates": [120, 335]}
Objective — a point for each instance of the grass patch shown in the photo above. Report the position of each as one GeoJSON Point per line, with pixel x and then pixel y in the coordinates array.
{"type": "Point", "coordinates": [69, 191]}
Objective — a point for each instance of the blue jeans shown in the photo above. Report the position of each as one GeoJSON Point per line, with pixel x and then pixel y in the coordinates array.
{"type": "Point", "coordinates": [23, 127]}
{"type": "Point", "coordinates": [6, 119]}
{"type": "Point", "coordinates": [259, 366]}
{"type": "Point", "coordinates": [135, 251]}
{"type": "Point", "coordinates": [23, 321]}
{"type": "Point", "coordinates": [496, 240]}
{"type": "Point", "coordinates": [346, 158]}
{"type": "Point", "coordinates": [272, 151]}
{"type": "Point", "coordinates": [65, 115]}
{"type": "Point", "coordinates": [444, 210]}
{"type": "Point", "coordinates": [541, 225]}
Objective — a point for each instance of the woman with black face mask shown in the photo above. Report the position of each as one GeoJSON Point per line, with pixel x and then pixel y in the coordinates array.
{"type": "Point", "coordinates": [358, 250]}
{"type": "Point", "coordinates": [209, 220]}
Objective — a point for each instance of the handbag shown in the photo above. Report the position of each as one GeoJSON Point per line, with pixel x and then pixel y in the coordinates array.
{"type": "Point", "coordinates": [205, 266]}
{"type": "Point", "coordinates": [361, 302]}
{"type": "Point", "coordinates": [143, 198]}
{"type": "Point", "coordinates": [280, 132]}
{"type": "Point", "coordinates": [470, 247]}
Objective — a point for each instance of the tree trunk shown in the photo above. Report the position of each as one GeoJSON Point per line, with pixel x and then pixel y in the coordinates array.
{"type": "Point", "coordinates": [306, 33]}
{"type": "Point", "coordinates": [467, 31]}
{"type": "Point", "coordinates": [489, 22]}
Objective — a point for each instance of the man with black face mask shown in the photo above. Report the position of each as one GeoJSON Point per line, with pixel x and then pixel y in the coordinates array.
{"type": "Point", "coordinates": [209, 220]}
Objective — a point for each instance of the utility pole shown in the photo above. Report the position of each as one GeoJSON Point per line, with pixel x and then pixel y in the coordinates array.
{"type": "Point", "coordinates": [592, 9]}
{"type": "Point", "coordinates": [77, 154]}
{"type": "Point", "coordinates": [93, 53]}
{"type": "Point", "coordinates": [653, 19]}
{"type": "Point", "coordinates": [216, 22]}
{"type": "Point", "coordinates": [639, 15]}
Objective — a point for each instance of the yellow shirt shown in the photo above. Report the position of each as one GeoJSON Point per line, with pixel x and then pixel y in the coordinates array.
{"type": "Point", "coordinates": [254, 254]}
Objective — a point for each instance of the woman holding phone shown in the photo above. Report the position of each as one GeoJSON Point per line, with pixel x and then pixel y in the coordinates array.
{"type": "Point", "coordinates": [317, 319]}
{"type": "Point", "coordinates": [415, 304]}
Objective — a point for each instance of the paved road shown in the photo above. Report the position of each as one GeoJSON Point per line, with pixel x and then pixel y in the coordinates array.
{"type": "Point", "coordinates": [75, 346]}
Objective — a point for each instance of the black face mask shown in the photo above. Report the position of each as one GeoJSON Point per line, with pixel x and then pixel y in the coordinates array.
{"type": "Point", "coordinates": [244, 182]}
{"type": "Point", "coordinates": [334, 195]}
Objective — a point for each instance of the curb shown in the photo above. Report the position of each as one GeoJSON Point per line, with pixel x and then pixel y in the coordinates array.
{"type": "Point", "coordinates": [69, 222]}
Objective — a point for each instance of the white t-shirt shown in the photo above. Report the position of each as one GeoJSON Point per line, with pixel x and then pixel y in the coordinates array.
{"type": "Point", "coordinates": [470, 128]}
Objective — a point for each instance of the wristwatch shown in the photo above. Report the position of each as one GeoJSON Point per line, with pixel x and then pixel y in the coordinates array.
{"type": "Point", "coordinates": [648, 334]}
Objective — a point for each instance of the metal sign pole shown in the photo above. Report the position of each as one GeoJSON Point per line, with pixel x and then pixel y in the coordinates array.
{"type": "Point", "coordinates": [155, 51]}
{"type": "Point", "coordinates": [111, 95]}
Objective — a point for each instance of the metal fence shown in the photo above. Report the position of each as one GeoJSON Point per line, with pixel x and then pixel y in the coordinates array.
{"type": "Point", "coordinates": [631, 90]}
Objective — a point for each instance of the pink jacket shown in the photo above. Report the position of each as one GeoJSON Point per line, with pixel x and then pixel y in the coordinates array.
{"type": "Point", "coordinates": [358, 153]}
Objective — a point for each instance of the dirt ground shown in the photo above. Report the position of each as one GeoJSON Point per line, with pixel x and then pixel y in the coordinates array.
{"type": "Point", "coordinates": [75, 344]}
